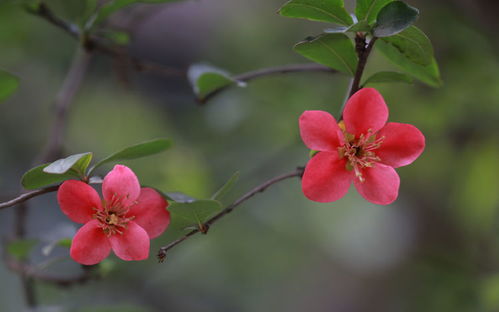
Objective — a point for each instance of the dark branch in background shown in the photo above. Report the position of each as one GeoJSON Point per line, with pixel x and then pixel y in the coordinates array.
{"type": "Point", "coordinates": [204, 227]}
{"type": "Point", "coordinates": [26, 196]}
{"type": "Point", "coordinates": [285, 69]}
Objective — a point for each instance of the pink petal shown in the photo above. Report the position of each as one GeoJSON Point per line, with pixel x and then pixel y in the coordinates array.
{"type": "Point", "coordinates": [78, 200]}
{"type": "Point", "coordinates": [319, 131]}
{"type": "Point", "coordinates": [133, 244]}
{"type": "Point", "coordinates": [150, 212]}
{"type": "Point", "coordinates": [403, 143]}
{"type": "Point", "coordinates": [122, 185]}
{"type": "Point", "coordinates": [366, 109]}
{"type": "Point", "coordinates": [325, 178]}
{"type": "Point", "coordinates": [90, 245]}
{"type": "Point", "coordinates": [381, 185]}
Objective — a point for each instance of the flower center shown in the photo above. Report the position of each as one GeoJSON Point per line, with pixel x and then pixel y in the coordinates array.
{"type": "Point", "coordinates": [113, 217]}
{"type": "Point", "coordinates": [360, 151]}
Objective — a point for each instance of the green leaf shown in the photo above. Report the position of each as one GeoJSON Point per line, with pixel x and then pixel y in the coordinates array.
{"type": "Point", "coordinates": [387, 76]}
{"type": "Point", "coordinates": [393, 18]}
{"type": "Point", "coordinates": [428, 74]}
{"type": "Point", "coordinates": [118, 37]}
{"type": "Point", "coordinates": [36, 178]}
{"type": "Point", "coordinates": [136, 151]}
{"type": "Point", "coordinates": [206, 79]}
{"type": "Point", "coordinates": [77, 162]}
{"type": "Point", "coordinates": [360, 26]}
{"type": "Point", "coordinates": [20, 249]}
{"type": "Point", "coordinates": [333, 50]}
{"type": "Point", "coordinates": [178, 197]}
{"type": "Point", "coordinates": [226, 187]}
{"type": "Point", "coordinates": [367, 10]}
{"type": "Point", "coordinates": [184, 215]}
{"type": "Point", "coordinates": [8, 84]}
{"type": "Point", "coordinates": [113, 6]}
{"type": "Point", "coordinates": [64, 242]}
{"type": "Point", "coordinates": [330, 11]}
{"type": "Point", "coordinates": [414, 44]}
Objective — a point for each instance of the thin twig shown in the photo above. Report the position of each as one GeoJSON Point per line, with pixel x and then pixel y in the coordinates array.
{"type": "Point", "coordinates": [258, 189]}
{"type": "Point", "coordinates": [26, 196]}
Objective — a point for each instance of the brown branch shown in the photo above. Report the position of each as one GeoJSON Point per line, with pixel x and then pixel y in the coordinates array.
{"type": "Point", "coordinates": [26, 196]}
{"type": "Point", "coordinates": [204, 227]}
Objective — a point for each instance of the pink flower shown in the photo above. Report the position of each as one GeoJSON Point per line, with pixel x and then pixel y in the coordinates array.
{"type": "Point", "coordinates": [363, 148]}
{"type": "Point", "coordinates": [125, 221]}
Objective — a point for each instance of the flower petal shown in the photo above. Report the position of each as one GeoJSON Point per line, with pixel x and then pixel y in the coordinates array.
{"type": "Point", "coordinates": [381, 185]}
{"type": "Point", "coordinates": [90, 245]}
{"type": "Point", "coordinates": [365, 110]}
{"type": "Point", "coordinates": [403, 143]}
{"type": "Point", "coordinates": [121, 185]}
{"type": "Point", "coordinates": [325, 178]}
{"type": "Point", "coordinates": [78, 200]}
{"type": "Point", "coordinates": [150, 212]}
{"type": "Point", "coordinates": [319, 131]}
{"type": "Point", "coordinates": [133, 244]}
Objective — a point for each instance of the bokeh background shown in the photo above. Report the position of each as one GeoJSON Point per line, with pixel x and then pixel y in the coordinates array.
{"type": "Point", "coordinates": [435, 249]}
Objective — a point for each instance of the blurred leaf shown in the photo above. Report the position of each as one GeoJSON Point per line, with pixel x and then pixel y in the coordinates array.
{"type": "Point", "coordinates": [195, 213]}
{"type": "Point", "coordinates": [206, 79]}
{"type": "Point", "coordinates": [77, 162]}
{"type": "Point", "coordinates": [394, 18]}
{"type": "Point", "coordinates": [118, 37]}
{"type": "Point", "coordinates": [414, 44]}
{"type": "Point", "coordinates": [387, 77]}
{"type": "Point", "coordinates": [115, 5]}
{"type": "Point", "coordinates": [333, 50]}
{"type": "Point", "coordinates": [20, 249]}
{"type": "Point", "coordinates": [64, 242]}
{"type": "Point", "coordinates": [367, 10]}
{"type": "Point", "coordinates": [226, 187]}
{"type": "Point", "coordinates": [8, 84]}
{"type": "Point", "coordinates": [178, 197]}
{"type": "Point", "coordinates": [331, 11]}
{"type": "Point", "coordinates": [490, 292]}
{"type": "Point", "coordinates": [36, 178]}
{"type": "Point", "coordinates": [136, 151]}
{"type": "Point", "coordinates": [106, 266]}
{"type": "Point", "coordinates": [428, 74]}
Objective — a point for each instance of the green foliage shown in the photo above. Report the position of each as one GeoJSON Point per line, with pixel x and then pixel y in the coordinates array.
{"type": "Point", "coordinates": [36, 178]}
{"type": "Point", "coordinates": [8, 84]}
{"type": "Point", "coordinates": [206, 80]}
{"type": "Point", "coordinates": [78, 163]}
{"type": "Point", "coordinates": [428, 74]}
{"type": "Point", "coordinates": [332, 50]}
{"type": "Point", "coordinates": [20, 249]}
{"type": "Point", "coordinates": [193, 214]}
{"type": "Point", "coordinates": [394, 18]}
{"type": "Point", "coordinates": [118, 37]}
{"type": "Point", "coordinates": [136, 151]}
{"type": "Point", "coordinates": [331, 11]}
{"type": "Point", "coordinates": [226, 187]}
{"type": "Point", "coordinates": [367, 10]}
{"type": "Point", "coordinates": [64, 242]}
{"type": "Point", "coordinates": [413, 44]}
{"type": "Point", "coordinates": [178, 197]}
{"type": "Point", "coordinates": [387, 77]}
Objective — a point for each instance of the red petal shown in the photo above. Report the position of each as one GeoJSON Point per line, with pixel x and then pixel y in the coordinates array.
{"type": "Point", "coordinates": [365, 110]}
{"type": "Point", "coordinates": [319, 131]}
{"type": "Point", "coordinates": [133, 244]}
{"type": "Point", "coordinates": [403, 143]}
{"type": "Point", "coordinates": [150, 212]}
{"type": "Point", "coordinates": [90, 245]}
{"type": "Point", "coordinates": [122, 184]}
{"type": "Point", "coordinates": [325, 178]}
{"type": "Point", "coordinates": [381, 185]}
{"type": "Point", "coordinates": [78, 200]}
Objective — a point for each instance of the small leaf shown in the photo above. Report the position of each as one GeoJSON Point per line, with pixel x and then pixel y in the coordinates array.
{"type": "Point", "coordinates": [36, 178]}
{"type": "Point", "coordinates": [47, 249]}
{"type": "Point", "coordinates": [8, 84]}
{"type": "Point", "coordinates": [414, 44]}
{"type": "Point", "coordinates": [331, 11]}
{"type": "Point", "coordinates": [387, 76]}
{"type": "Point", "coordinates": [184, 215]}
{"type": "Point", "coordinates": [77, 162]}
{"type": "Point", "coordinates": [20, 249]}
{"type": "Point", "coordinates": [333, 50]}
{"type": "Point", "coordinates": [226, 187]}
{"type": "Point", "coordinates": [136, 151]}
{"type": "Point", "coordinates": [428, 74]}
{"type": "Point", "coordinates": [118, 37]}
{"type": "Point", "coordinates": [367, 10]}
{"type": "Point", "coordinates": [393, 18]}
{"type": "Point", "coordinates": [206, 79]}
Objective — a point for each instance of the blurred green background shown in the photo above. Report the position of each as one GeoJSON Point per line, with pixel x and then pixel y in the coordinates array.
{"type": "Point", "coordinates": [435, 249]}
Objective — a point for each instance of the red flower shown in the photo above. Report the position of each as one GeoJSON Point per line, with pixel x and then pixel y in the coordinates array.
{"type": "Point", "coordinates": [363, 148]}
{"type": "Point", "coordinates": [124, 221]}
